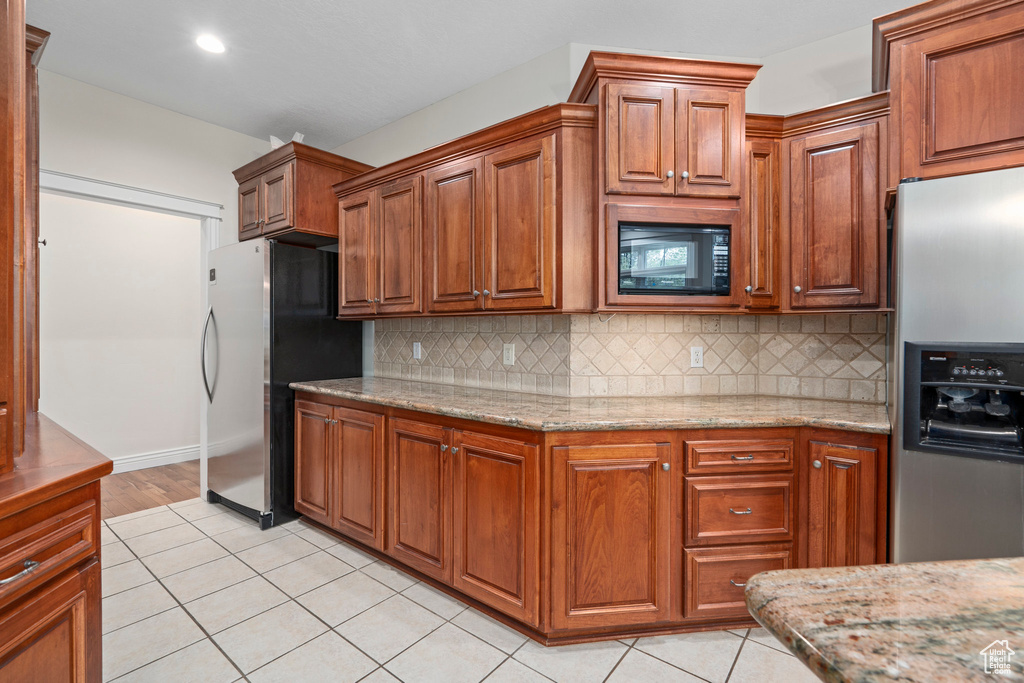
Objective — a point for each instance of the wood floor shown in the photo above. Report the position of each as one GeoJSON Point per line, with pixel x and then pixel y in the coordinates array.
{"type": "Point", "coordinates": [149, 488]}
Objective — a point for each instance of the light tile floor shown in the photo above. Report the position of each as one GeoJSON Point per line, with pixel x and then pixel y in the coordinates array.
{"type": "Point", "coordinates": [195, 592]}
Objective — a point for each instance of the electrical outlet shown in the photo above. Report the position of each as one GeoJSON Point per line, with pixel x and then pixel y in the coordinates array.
{"type": "Point", "coordinates": [508, 354]}
{"type": "Point", "coordinates": [696, 356]}
{"type": "Point", "coordinates": [417, 350]}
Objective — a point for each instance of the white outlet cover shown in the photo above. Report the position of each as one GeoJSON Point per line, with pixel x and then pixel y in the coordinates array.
{"type": "Point", "coordinates": [508, 354]}
{"type": "Point", "coordinates": [417, 350]}
{"type": "Point", "coordinates": [696, 356]}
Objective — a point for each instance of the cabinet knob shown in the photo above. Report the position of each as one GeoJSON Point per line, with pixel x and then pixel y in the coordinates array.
{"type": "Point", "coordinates": [454, 450]}
{"type": "Point", "coordinates": [665, 466]}
{"type": "Point", "coordinates": [327, 420]}
{"type": "Point", "coordinates": [817, 464]}
{"type": "Point", "coordinates": [797, 289]}
{"type": "Point", "coordinates": [376, 301]}
{"type": "Point", "coordinates": [487, 292]}
{"type": "Point", "coordinates": [444, 447]}
{"type": "Point", "coordinates": [476, 292]}
{"type": "Point", "coordinates": [684, 175]}
{"type": "Point", "coordinates": [670, 174]}
{"type": "Point", "coordinates": [369, 301]}
{"type": "Point", "coordinates": [748, 289]}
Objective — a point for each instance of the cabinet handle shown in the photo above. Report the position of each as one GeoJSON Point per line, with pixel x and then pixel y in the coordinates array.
{"type": "Point", "coordinates": [748, 511]}
{"type": "Point", "coordinates": [748, 289]}
{"type": "Point", "coordinates": [444, 447]}
{"type": "Point", "coordinates": [738, 585]}
{"type": "Point", "coordinates": [749, 456]}
{"type": "Point", "coordinates": [665, 466]}
{"type": "Point", "coordinates": [487, 292]}
{"type": "Point", "coordinates": [30, 566]}
{"type": "Point", "coordinates": [684, 175]}
{"type": "Point", "coordinates": [817, 464]}
{"type": "Point", "coordinates": [797, 289]}
{"type": "Point", "coordinates": [476, 292]}
{"type": "Point", "coordinates": [454, 450]}
{"type": "Point", "coordinates": [670, 174]}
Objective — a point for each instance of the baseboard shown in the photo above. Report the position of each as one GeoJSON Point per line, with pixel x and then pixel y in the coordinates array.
{"type": "Point", "coordinates": [141, 461]}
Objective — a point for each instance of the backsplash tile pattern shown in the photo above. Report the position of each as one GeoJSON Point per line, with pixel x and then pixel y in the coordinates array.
{"type": "Point", "coordinates": [838, 356]}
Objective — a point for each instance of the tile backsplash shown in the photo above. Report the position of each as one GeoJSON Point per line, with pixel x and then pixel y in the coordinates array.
{"type": "Point", "coordinates": [838, 356]}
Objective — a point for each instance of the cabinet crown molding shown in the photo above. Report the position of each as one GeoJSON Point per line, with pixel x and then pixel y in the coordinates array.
{"type": "Point", "coordinates": [848, 111]}
{"type": "Point", "coordinates": [917, 19]}
{"type": "Point", "coordinates": [699, 72]}
{"type": "Point", "coordinates": [296, 150]}
{"type": "Point", "coordinates": [35, 42]}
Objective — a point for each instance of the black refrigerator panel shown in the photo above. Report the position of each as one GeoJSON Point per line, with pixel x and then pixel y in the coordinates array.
{"type": "Point", "coordinates": [307, 343]}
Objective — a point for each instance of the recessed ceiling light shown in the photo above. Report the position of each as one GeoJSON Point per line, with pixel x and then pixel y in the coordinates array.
{"type": "Point", "coordinates": [210, 43]}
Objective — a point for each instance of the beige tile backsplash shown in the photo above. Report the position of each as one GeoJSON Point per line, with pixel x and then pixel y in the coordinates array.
{"type": "Point", "coordinates": [839, 356]}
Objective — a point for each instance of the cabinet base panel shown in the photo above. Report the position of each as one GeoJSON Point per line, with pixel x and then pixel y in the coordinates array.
{"type": "Point", "coordinates": [549, 638]}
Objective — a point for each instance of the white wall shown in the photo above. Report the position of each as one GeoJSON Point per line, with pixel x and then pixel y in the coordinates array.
{"type": "Point", "coordinates": [94, 133]}
{"type": "Point", "coordinates": [119, 323]}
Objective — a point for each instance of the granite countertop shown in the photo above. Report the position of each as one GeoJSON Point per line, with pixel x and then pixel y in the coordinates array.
{"type": "Point", "coordinates": [926, 621]}
{"type": "Point", "coordinates": [546, 413]}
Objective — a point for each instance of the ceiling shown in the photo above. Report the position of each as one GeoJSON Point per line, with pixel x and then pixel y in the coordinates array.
{"type": "Point", "coordinates": [336, 69]}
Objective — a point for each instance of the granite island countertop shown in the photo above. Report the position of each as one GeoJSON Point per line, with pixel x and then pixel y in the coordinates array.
{"type": "Point", "coordinates": [547, 413]}
{"type": "Point", "coordinates": [927, 621]}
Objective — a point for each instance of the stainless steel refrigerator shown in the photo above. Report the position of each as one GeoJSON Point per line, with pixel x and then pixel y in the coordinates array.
{"type": "Point", "coordinates": [956, 372]}
{"type": "Point", "coordinates": [271, 321]}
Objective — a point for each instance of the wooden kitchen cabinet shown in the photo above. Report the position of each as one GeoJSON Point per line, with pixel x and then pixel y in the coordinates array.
{"type": "Point", "coordinates": [286, 194]}
{"type": "Point", "coordinates": [379, 250]}
{"type": "Point", "coordinates": [339, 469]}
{"type": "Point", "coordinates": [836, 223]}
{"type": "Point", "coordinates": [956, 75]}
{"type": "Point", "coordinates": [454, 229]}
{"type": "Point", "coordinates": [611, 520]}
{"type": "Point", "coordinates": [762, 206]}
{"type": "Point", "coordinates": [716, 577]}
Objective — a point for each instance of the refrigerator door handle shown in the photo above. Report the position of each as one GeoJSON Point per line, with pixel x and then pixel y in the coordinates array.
{"type": "Point", "coordinates": [202, 355]}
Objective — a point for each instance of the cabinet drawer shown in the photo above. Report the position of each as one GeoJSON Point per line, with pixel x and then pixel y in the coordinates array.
{"type": "Point", "coordinates": [714, 577]}
{"type": "Point", "coordinates": [738, 509]}
{"type": "Point", "coordinates": [56, 534]}
{"type": "Point", "coordinates": [747, 455]}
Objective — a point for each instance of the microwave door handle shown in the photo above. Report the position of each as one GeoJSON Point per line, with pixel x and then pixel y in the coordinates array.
{"type": "Point", "coordinates": [202, 354]}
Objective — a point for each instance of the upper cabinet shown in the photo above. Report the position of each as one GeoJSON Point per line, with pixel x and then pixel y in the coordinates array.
{"type": "Point", "coordinates": [956, 74]}
{"type": "Point", "coordinates": [286, 194]}
{"type": "Point", "coordinates": [506, 216]}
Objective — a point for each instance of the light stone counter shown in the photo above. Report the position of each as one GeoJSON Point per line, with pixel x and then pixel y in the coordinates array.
{"type": "Point", "coordinates": [546, 413]}
{"type": "Point", "coordinates": [927, 621]}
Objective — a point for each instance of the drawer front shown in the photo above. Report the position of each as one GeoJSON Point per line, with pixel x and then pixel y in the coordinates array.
{"type": "Point", "coordinates": [44, 540]}
{"type": "Point", "coordinates": [739, 456]}
{"type": "Point", "coordinates": [739, 509]}
{"type": "Point", "coordinates": [715, 577]}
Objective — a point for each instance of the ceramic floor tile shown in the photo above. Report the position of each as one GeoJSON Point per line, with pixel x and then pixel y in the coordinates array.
{"type": "Point", "coordinates": [572, 663]}
{"type": "Point", "coordinates": [386, 629]}
{"type": "Point", "coordinates": [274, 554]}
{"type": "Point", "coordinates": [350, 555]}
{"type": "Point", "coordinates": [637, 666]}
{"type": "Point", "coordinates": [320, 539]}
{"type": "Point", "coordinates": [326, 658]}
{"type": "Point", "coordinates": [708, 655]}
{"type": "Point", "coordinates": [184, 557]}
{"type": "Point", "coordinates": [741, 632]}
{"type": "Point", "coordinates": [448, 655]}
{"type": "Point", "coordinates": [195, 511]}
{"type": "Point", "coordinates": [205, 579]}
{"type": "Point", "coordinates": [164, 539]}
{"type": "Point", "coordinates": [135, 605]}
{"type": "Point", "coordinates": [762, 636]}
{"type": "Point", "coordinates": [144, 525]}
{"type": "Point", "coordinates": [137, 514]}
{"type": "Point", "coordinates": [187, 503]}
{"type": "Point", "coordinates": [628, 641]}
{"type": "Point", "coordinates": [758, 663]}
{"type": "Point", "coordinates": [490, 631]}
{"type": "Point", "coordinates": [107, 536]}
{"type": "Point", "coordinates": [227, 607]}
{"type": "Point", "coordinates": [201, 662]}
{"type": "Point", "coordinates": [114, 554]}
{"type": "Point", "coordinates": [434, 600]}
{"type": "Point", "coordinates": [308, 573]}
{"type": "Point", "coordinates": [380, 676]}
{"type": "Point", "coordinates": [246, 537]}
{"type": "Point", "coordinates": [264, 638]}
{"type": "Point", "coordinates": [512, 671]}
{"type": "Point", "coordinates": [389, 576]}
{"type": "Point", "coordinates": [343, 598]}
{"type": "Point", "coordinates": [222, 521]}
{"type": "Point", "coordinates": [133, 646]}
{"type": "Point", "coordinates": [124, 576]}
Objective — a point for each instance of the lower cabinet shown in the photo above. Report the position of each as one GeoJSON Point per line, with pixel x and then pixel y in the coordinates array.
{"type": "Point", "coordinates": [611, 541]}
{"type": "Point", "coordinates": [715, 577]}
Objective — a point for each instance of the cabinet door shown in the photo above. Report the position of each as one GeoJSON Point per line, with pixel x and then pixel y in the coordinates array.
{"type": "Point", "coordinates": [249, 209]}
{"type": "Point", "coordinates": [454, 226]}
{"type": "Point", "coordinates": [400, 248]}
{"type": "Point", "coordinates": [54, 635]}
{"type": "Point", "coordinates": [277, 191]}
{"type": "Point", "coordinates": [709, 142]}
{"type": "Point", "coordinates": [610, 535]}
{"type": "Point", "coordinates": [520, 196]}
{"type": "Point", "coordinates": [762, 210]}
{"type": "Point", "coordinates": [313, 461]}
{"type": "Point", "coordinates": [835, 217]}
{"type": "Point", "coordinates": [358, 475]}
{"type": "Point", "coordinates": [842, 507]}
{"type": "Point", "coordinates": [639, 143]}
{"type": "Point", "coordinates": [496, 523]}
{"type": "Point", "coordinates": [419, 510]}
{"type": "Point", "coordinates": [356, 225]}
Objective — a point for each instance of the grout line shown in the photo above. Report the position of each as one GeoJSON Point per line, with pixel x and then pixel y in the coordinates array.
{"type": "Point", "coordinates": [619, 661]}
{"type": "Point", "coordinates": [736, 659]}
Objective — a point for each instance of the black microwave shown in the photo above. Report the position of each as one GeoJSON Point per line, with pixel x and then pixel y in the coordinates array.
{"type": "Point", "coordinates": [669, 259]}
